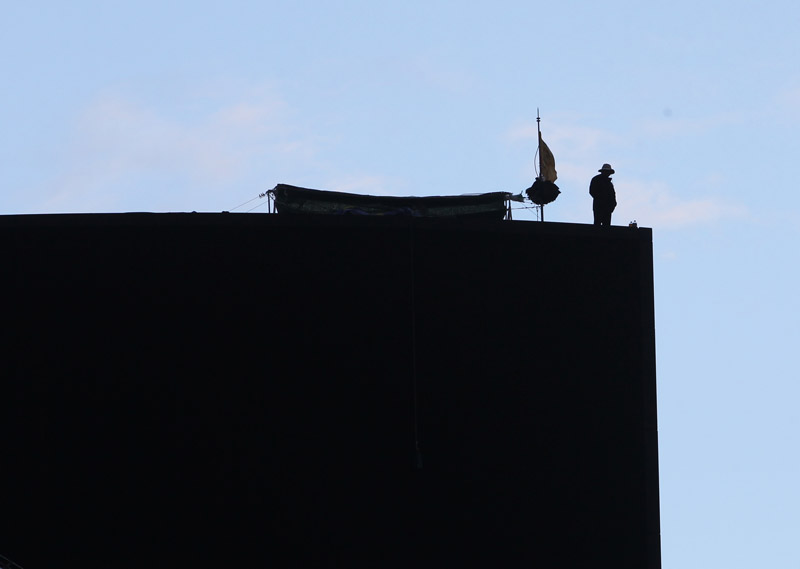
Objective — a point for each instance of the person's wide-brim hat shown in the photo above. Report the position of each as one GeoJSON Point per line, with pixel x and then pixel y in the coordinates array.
{"type": "Point", "coordinates": [606, 168]}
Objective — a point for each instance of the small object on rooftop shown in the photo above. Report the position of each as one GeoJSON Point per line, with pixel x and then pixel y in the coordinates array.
{"type": "Point", "coordinates": [542, 192]}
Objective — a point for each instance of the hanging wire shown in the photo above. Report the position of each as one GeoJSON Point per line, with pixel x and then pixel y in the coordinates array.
{"type": "Point", "coordinates": [538, 209]}
{"type": "Point", "coordinates": [245, 203]}
{"type": "Point", "coordinates": [256, 207]}
{"type": "Point", "coordinates": [258, 197]}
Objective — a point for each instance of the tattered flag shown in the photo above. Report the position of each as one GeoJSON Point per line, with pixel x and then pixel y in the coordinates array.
{"type": "Point", "coordinates": [547, 163]}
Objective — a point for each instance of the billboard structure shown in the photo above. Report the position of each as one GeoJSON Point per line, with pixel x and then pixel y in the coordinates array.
{"type": "Point", "coordinates": [305, 391]}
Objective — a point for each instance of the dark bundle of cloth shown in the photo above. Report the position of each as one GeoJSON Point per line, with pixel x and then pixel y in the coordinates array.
{"type": "Point", "coordinates": [542, 192]}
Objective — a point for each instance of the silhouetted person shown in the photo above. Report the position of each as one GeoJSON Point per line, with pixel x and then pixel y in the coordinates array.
{"type": "Point", "coordinates": [605, 198]}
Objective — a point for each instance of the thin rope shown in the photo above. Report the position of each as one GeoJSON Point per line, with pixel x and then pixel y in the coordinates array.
{"type": "Point", "coordinates": [258, 206]}
{"type": "Point", "coordinates": [538, 209]}
{"type": "Point", "coordinates": [258, 197]}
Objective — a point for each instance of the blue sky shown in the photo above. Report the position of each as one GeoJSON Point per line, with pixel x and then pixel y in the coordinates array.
{"type": "Point", "coordinates": [200, 106]}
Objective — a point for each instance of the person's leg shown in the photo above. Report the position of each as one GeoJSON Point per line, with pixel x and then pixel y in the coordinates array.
{"type": "Point", "coordinates": [602, 217]}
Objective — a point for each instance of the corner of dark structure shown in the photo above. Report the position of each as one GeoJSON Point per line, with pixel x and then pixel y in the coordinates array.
{"type": "Point", "coordinates": [205, 390]}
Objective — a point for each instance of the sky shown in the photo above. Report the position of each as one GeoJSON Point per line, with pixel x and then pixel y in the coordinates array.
{"type": "Point", "coordinates": [201, 106]}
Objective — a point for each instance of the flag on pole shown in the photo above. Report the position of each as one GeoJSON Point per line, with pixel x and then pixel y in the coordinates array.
{"type": "Point", "coordinates": [547, 163]}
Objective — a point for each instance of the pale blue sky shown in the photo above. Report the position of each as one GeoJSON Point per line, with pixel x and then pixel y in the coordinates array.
{"type": "Point", "coordinates": [181, 106]}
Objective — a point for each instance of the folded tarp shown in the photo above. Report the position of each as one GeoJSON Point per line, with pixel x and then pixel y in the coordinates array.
{"type": "Point", "coordinates": [296, 200]}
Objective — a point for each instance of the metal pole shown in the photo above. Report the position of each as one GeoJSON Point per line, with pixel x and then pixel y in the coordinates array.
{"type": "Point", "coordinates": [539, 141]}
{"type": "Point", "coordinates": [539, 151]}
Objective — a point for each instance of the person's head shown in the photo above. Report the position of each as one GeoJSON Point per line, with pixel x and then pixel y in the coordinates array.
{"type": "Point", "coordinates": [607, 170]}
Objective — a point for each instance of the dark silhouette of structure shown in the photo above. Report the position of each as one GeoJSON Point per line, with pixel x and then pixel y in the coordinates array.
{"type": "Point", "coordinates": [293, 200]}
{"type": "Point", "coordinates": [205, 390]}
{"type": "Point", "coordinates": [6, 563]}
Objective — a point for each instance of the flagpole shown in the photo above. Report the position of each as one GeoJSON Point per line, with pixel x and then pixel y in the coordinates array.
{"type": "Point", "coordinates": [539, 147]}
